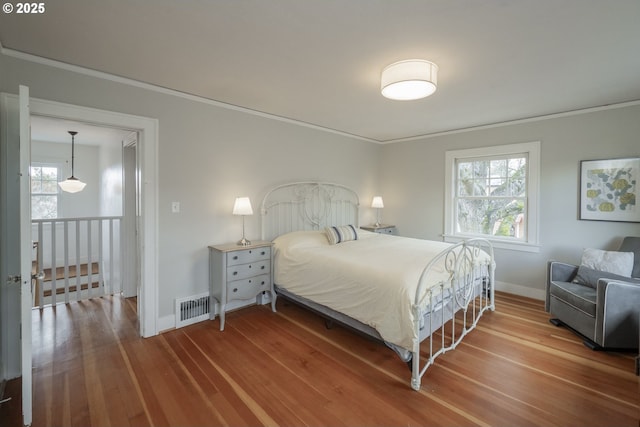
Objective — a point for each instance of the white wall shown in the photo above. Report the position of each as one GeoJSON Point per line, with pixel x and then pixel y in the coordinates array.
{"type": "Point", "coordinates": [110, 181]}
{"type": "Point", "coordinates": [412, 177]}
{"type": "Point", "coordinates": [208, 155]}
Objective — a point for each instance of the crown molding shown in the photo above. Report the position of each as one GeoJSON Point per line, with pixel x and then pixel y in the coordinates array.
{"type": "Point", "coordinates": [516, 122]}
{"type": "Point", "coordinates": [172, 92]}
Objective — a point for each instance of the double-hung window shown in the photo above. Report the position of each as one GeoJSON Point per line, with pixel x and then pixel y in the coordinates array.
{"type": "Point", "coordinates": [44, 191]}
{"type": "Point", "coordinates": [492, 192]}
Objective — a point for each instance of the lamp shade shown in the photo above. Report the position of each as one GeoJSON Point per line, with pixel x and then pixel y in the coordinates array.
{"type": "Point", "coordinates": [72, 185]}
{"type": "Point", "coordinates": [242, 206]}
{"type": "Point", "coordinates": [377, 202]}
{"type": "Point", "coordinates": [409, 80]}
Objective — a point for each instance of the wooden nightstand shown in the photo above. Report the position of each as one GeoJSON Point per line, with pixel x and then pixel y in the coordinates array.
{"type": "Point", "coordinates": [239, 275]}
{"type": "Point", "coordinates": [382, 228]}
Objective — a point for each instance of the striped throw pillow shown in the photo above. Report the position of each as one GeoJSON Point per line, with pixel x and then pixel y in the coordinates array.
{"type": "Point", "coordinates": [340, 234]}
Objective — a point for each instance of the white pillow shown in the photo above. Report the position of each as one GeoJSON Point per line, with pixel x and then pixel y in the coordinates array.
{"type": "Point", "coordinates": [620, 263]}
{"type": "Point", "coordinates": [300, 239]}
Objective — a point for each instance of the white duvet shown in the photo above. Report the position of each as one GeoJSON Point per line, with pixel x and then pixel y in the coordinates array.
{"type": "Point", "coordinates": [372, 279]}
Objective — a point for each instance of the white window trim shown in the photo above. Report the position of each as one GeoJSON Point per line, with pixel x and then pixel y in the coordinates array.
{"type": "Point", "coordinates": [532, 243]}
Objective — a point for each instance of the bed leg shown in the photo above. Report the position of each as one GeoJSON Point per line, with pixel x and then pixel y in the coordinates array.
{"type": "Point", "coordinates": [415, 370]}
{"type": "Point", "coordinates": [415, 383]}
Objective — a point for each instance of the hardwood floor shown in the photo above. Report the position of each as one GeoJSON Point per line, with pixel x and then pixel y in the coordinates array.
{"type": "Point", "coordinates": [515, 369]}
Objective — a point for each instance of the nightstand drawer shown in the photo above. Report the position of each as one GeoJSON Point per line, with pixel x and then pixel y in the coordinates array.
{"type": "Point", "coordinates": [243, 271]}
{"type": "Point", "coordinates": [248, 255]}
{"type": "Point", "coordinates": [381, 229]}
{"type": "Point", "coordinates": [248, 288]}
{"type": "Point", "coordinates": [388, 230]}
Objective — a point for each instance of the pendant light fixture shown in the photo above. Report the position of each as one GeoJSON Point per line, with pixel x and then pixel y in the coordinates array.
{"type": "Point", "coordinates": [72, 184]}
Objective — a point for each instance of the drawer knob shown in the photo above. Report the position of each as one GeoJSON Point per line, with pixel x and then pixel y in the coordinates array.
{"type": "Point", "coordinates": [262, 283]}
{"type": "Point", "coordinates": [235, 289]}
{"type": "Point", "coordinates": [235, 257]}
{"type": "Point", "coordinates": [235, 273]}
{"type": "Point", "coordinates": [262, 268]}
{"type": "Point", "coordinates": [263, 253]}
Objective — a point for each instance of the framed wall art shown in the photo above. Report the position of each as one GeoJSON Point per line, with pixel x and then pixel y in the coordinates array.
{"type": "Point", "coordinates": [609, 189]}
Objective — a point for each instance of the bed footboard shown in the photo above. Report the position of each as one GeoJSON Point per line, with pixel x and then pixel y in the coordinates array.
{"type": "Point", "coordinates": [454, 305]}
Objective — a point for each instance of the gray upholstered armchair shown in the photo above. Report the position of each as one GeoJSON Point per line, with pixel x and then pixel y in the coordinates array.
{"type": "Point", "coordinates": [602, 307]}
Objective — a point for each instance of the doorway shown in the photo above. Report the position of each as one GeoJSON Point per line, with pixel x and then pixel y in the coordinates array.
{"type": "Point", "coordinates": [145, 167]}
{"type": "Point", "coordinates": [85, 241]}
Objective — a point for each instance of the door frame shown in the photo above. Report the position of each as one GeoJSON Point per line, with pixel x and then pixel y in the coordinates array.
{"type": "Point", "coordinates": [147, 159]}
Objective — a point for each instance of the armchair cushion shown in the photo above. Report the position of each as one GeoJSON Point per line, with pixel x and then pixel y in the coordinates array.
{"type": "Point", "coordinates": [615, 262]}
{"type": "Point", "coordinates": [589, 277]}
{"type": "Point", "coordinates": [580, 297]}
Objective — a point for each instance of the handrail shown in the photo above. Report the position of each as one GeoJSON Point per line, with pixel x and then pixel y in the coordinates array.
{"type": "Point", "coordinates": [80, 218]}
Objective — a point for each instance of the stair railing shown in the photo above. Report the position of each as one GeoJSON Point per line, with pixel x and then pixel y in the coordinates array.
{"type": "Point", "coordinates": [81, 258]}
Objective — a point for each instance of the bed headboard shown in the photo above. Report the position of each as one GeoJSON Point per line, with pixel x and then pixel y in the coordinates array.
{"type": "Point", "coordinates": [307, 205]}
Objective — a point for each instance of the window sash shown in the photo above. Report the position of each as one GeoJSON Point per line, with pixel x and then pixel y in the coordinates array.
{"type": "Point", "coordinates": [520, 231]}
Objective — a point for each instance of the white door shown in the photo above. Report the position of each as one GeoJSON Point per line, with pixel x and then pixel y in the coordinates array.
{"type": "Point", "coordinates": [26, 246]}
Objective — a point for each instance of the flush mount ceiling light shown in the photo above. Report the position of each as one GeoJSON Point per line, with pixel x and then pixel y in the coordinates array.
{"type": "Point", "coordinates": [409, 80]}
{"type": "Point", "coordinates": [72, 184]}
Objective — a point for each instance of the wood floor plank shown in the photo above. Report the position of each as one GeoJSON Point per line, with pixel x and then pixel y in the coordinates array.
{"type": "Point", "coordinates": [92, 369]}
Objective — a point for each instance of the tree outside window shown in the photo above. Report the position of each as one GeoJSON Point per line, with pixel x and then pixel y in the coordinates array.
{"type": "Point", "coordinates": [44, 192]}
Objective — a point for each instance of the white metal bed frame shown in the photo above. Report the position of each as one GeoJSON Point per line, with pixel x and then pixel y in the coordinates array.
{"type": "Point", "coordinates": [469, 288]}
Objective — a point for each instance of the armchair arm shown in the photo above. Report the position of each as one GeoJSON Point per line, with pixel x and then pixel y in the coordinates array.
{"type": "Point", "coordinates": [558, 272]}
{"type": "Point", "coordinates": [617, 313]}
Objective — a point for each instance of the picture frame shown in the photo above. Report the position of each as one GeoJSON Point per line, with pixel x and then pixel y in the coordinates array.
{"type": "Point", "coordinates": [609, 190]}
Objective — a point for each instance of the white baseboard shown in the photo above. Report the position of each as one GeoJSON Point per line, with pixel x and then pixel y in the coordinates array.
{"type": "Point", "coordinates": [524, 291]}
{"type": "Point", "coordinates": [166, 323]}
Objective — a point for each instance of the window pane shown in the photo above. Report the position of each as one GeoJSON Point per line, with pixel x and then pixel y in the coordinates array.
{"type": "Point", "coordinates": [481, 169]}
{"type": "Point", "coordinates": [465, 181]}
{"type": "Point", "coordinates": [49, 187]}
{"type": "Point", "coordinates": [493, 217]}
{"type": "Point", "coordinates": [50, 173]}
{"type": "Point", "coordinates": [36, 172]}
{"type": "Point", "coordinates": [480, 187]}
{"type": "Point", "coordinates": [44, 207]}
{"type": "Point", "coordinates": [499, 168]}
{"type": "Point", "coordinates": [470, 215]}
{"type": "Point", "coordinates": [518, 186]}
{"type": "Point", "coordinates": [36, 186]}
{"type": "Point", "coordinates": [498, 187]}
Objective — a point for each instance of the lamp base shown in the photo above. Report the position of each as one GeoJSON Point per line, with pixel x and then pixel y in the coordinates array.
{"type": "Point", "coordinates": [244, 242]}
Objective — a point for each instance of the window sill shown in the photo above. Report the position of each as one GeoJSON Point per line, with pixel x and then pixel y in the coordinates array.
{"type": "Point", "coordinates": [497, 243]}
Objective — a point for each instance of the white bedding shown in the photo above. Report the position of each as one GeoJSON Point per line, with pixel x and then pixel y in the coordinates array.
{"type": "Point", "coordinates": [372, 279]}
